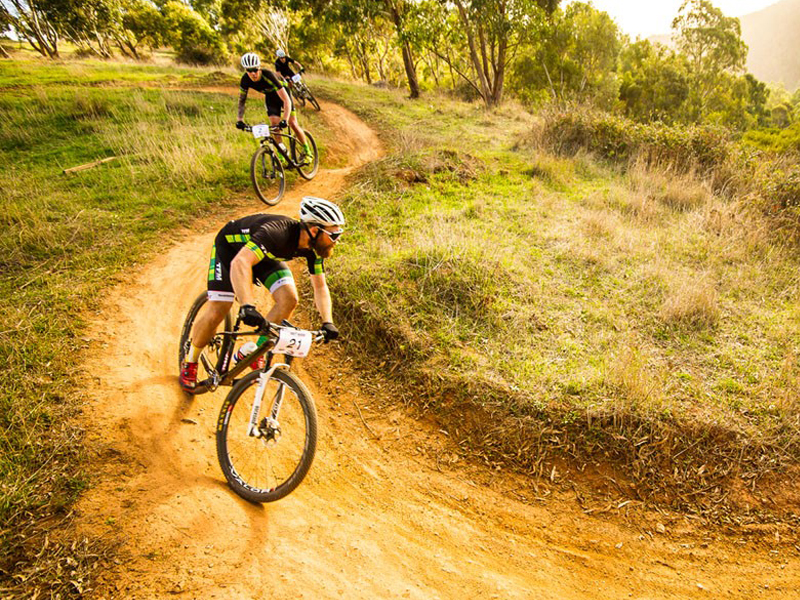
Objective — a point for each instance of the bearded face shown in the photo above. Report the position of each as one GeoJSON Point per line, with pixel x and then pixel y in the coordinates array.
{"type": "Point", "coordinates": [322, 245]}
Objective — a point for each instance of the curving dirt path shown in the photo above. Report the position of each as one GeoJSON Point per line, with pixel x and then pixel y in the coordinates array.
{"type": "Point", "coordinates": [388, 509]}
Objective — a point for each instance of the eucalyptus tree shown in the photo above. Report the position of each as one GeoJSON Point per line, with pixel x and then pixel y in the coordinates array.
{"type": "Point", "coordinates": [494, 32]}
{"type": "Point", "coordinates": [713, 45]}
{"type": "Point", "coordinates": [654, 82]}
{"type": "Point", "coordinates": [36, 21]}
{"type": "Point", "coordinates": [142, 24]}
{"type": "Point", "coordinates": [5, 25]}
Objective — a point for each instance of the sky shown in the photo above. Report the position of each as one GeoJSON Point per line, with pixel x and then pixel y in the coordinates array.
{"type": "Point", "coordinates": [647, 17]}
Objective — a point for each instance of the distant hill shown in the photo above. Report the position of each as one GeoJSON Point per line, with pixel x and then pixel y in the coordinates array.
{"type": "Point", "coordinates": [773, 36]}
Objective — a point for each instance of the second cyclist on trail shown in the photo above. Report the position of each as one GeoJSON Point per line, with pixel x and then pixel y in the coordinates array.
{"type": "Point", "coordinates": [283, 66]}
{"type": "Point", "coordinates": [280, 108]}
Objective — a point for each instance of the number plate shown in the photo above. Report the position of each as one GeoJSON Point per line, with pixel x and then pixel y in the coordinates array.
{"type": "Point", "coordinates": [260, 131]}
{"type": "Point", "coordinates": [294, 342]}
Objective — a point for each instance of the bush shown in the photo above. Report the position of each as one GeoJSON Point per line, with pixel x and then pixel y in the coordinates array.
{"type": "Point", "coordinates": [768, 178]}
{"type": "Point", "coordinates": [616, 138]}
{"type": "Point", "coordinates": [195, 42]}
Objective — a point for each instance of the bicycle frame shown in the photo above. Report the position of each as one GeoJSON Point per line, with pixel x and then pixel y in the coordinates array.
{"type": "Point", "coordinates": [274, 143]}
{"type": "Point", "coordinates": [220, 375]}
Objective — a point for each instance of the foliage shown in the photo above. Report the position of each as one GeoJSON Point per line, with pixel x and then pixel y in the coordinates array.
{"type": "Point", "coordinates": [574, 58]}
{"type": "Point", "coordinates": [34, 20]}
{"type": "Point", "coordinates": [655, 82]}
{"type": "Point", "coordinates": [191, 36]}
{"type": "Point", "coordinates": [623, 309]}
{"type": "Point", "coordinates": [713, 46]}
{"type": "Point", "coordinates": [615, 138]}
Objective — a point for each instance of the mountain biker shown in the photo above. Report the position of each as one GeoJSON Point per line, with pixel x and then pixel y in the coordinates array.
{"type": "Point", "coordinates": [247, 250]}
{"type": "Point", "coordinates": [283, 67]}
{"type": "Point", "coordinates": [278, 102]}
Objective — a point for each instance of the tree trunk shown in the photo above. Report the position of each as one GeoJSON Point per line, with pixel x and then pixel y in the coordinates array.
{"type": "Point", "coordinates": [408, 59]}
{"type": "Point", "coordinates": [485, 89]}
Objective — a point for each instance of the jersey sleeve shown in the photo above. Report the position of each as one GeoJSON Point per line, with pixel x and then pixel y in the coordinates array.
{"type": "Point", "coordinates": [273, 79]}
{"type": "Point", "coordinates": [316, 265]}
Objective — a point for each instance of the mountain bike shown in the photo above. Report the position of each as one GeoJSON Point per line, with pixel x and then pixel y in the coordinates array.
{"type": "Point", "coordinates": [266, 167]}
{"type": "Point", "coordinates": [267, 426]}
{"type": "Point", "coordinates": [301, 91]}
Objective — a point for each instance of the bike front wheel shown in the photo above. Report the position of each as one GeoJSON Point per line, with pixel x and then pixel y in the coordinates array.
{"type": "Point", "coordinates": [218, 347]}
{"type": "Point", "coordinates": [310, 98]}
{"type": "Point", "coordinates": [299, 95]}
{"type": "Point", "coordinates": [267, 175]}
{"type": "Point", "coordinates": [266, 462]}
{"type": "Point", "coordinates": [307, 168]}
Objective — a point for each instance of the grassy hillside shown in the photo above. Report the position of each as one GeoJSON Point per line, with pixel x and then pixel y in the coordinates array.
{"type": "Point", "coordinates": [65, 238]}
{"type": "Point", "coordinates": [551, 308]}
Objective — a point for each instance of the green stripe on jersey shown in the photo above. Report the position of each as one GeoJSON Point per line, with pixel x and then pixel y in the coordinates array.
{"type": "Point", "coordinates": [213, 263]}
{"type": "Point", "coordinates": [255, 249]}
{"type": "Point", "coordinates": [238, 238]}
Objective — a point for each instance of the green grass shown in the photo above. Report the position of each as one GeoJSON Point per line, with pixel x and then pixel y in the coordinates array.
{"type": "Point", "coordinates": [64, 239]}
{"type": "Point", "coordinates": [549, 287]}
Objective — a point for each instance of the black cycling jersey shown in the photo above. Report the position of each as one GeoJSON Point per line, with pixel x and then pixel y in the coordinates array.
{"type": "Point", "coordinates": [273, 238]}
{"type": "Point", "coordinates": [268, 84]}
{"type": "Point", "coordinates": [283, 67]}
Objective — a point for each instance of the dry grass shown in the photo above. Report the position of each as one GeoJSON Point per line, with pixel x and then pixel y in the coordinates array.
{"type": "Point", "coordinates": [692, 303]}
{"type": "Point", "coordinates": [680, 192]}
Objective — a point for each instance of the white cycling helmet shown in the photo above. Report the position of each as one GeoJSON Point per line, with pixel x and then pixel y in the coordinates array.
{"type": "Point", "coordinates": [316, 211]}
{"type": "Point", "coordinates": [280, 53]}
{"type": "Point", "coordinates": [251, 61]}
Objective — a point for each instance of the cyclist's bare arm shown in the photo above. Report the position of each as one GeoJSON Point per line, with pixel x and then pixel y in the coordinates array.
{"type": "Point", "coordinates": [242, 100]}
{"type": "Point", "coordinates": [242, 275]}
{"type": "Point", "coordinates": [322, 297]}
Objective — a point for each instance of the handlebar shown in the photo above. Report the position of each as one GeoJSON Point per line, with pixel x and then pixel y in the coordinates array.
{"type": "Point", "coordinates": [272, 128]}
{"type": "Point", "coordinates": [273, 330]}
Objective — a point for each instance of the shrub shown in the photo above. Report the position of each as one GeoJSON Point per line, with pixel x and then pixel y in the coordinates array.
{"type": "Point", "coordinates": [617, 138]}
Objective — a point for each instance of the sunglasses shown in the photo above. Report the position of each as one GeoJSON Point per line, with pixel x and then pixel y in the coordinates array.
{"type": "Point", "coordinates": [334, 235]}
{"type": "Point", "coordinates": [254, 70]}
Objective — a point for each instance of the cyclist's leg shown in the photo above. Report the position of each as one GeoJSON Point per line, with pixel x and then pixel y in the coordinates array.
{"type": "Point", "coordinates": [274, 112]}
{"type": "Point", "coordinates": [295, 125]}
{"type": "Point", "coordinates": [279, 281]}
{"type": "Point", "coordinates": [207, 322]}
{"type": "Point", "coordinates": [220, 292]}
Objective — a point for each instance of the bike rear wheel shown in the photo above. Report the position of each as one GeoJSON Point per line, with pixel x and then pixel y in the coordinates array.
{"type": "Point", "coordinates": [309, 169]}
{"type": "Point", "coordinates": [218, 346]}
{"type": "Point", "coordinates": [270, 464]}
{"type": "Point", "coordinates": [267, 175]}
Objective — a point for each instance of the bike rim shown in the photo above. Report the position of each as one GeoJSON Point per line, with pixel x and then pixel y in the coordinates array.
{"type": "Point", "coordinates": [264, 466]}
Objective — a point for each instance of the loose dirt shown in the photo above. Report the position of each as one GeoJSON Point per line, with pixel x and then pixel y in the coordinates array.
{"type": "Point", "coordinates": [389, 510]}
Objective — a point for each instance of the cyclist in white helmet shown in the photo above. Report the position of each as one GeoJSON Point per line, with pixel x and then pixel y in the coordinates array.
{"type": "Point", "coordinates": [254, 249]}
{"type": "Point", "coordinates": [283, 66]}
{"type": "Point", "coordinates": [280, 108]}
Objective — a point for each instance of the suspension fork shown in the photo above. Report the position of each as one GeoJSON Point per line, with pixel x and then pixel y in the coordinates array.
{"type": "Point", "coordinates": [263, 380]}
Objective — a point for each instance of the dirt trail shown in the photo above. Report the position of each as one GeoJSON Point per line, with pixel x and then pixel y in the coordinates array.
{"type": "Point", "coordinates": [387, 511]}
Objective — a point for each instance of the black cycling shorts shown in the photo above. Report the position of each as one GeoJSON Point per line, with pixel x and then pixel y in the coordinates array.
{"type": "Point", "coordinates": [275, 109]}
{"type": "Point", "coordinates": [272, 274]}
